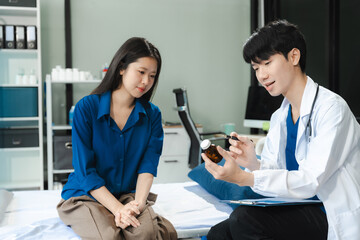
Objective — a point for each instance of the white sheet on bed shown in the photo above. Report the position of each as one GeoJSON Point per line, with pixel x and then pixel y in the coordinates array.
{"type": "Point", "coordinates": [192, 210]}
{"type": "Point", "coordinates": [5, 199]}
{"type": "Point", "coordinates": [188, 205]}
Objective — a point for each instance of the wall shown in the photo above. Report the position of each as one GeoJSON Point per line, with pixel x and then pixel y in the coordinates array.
{"type": "Point", "coordinates": [200, 42]}
{"type": "Point", "coordinates": [53, 49]}
{"type": "Point", "coordinates": [349, 54]}
{"type": "Point", "coordinates": [315, 31]}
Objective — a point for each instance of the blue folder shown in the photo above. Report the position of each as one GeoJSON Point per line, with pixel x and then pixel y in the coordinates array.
{"type": "Point", "coordinates": [267, 202]}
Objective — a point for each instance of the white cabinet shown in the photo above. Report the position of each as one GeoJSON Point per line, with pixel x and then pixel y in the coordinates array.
{"type": "Point", "coordinates": [21, 115]}
{"type": "Point", "coordinates": [54, 129]}
{"type": "Point", "coordinates": [173, 163]}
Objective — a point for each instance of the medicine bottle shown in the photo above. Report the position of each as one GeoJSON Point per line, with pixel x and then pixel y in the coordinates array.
{"type": "Point", "coordinates": [211, 151]}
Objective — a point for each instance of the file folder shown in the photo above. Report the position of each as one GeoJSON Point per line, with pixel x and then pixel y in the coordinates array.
{"type": "Point", "coordinates": [20, 37]}
{"type": "Point", "coordinates": [2, 44]}
{"type": "Point", "coordinates": [9, 36]}
{"type": "Point", "coordinates": [267, 202]}
{"type": "Point", "coordinates": [31, 37]}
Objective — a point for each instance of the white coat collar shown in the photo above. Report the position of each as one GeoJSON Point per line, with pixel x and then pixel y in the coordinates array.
{"type": "Point", "coordinates": [308, 97]}
{"type": "Point", "coordinates": [306, 102]}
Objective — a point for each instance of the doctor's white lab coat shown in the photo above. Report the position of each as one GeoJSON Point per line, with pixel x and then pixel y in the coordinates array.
{"type": "Point", "coordinates": [329, 165]}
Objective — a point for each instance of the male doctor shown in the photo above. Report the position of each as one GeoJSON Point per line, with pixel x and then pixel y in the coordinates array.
{"type": "Point", "coordinates": [312, 148]}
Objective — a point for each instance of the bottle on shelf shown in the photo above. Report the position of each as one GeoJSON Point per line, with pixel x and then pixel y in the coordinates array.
{"type": "Point", "coordinates": [19, 76]}
{"type": "Point", "coordinates": [32, 77]}
{"type": "Point", "coordinates": [59, 74]}
{"type": "Point", "coordinates": [104, 70]}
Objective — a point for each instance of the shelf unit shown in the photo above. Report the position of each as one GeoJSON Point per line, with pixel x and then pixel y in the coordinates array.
{"type": "Point", "coordinates": [21, 167]}
{"type": "Point", "coordinates": [51, 128]}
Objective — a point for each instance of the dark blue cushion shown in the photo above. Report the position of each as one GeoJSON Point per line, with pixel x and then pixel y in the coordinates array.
{"type": "Point", "coordinates": [219, 188]}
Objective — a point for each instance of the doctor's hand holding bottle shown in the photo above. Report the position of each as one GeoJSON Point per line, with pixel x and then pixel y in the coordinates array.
{"type": "Point", "coordinates": [241, 153]}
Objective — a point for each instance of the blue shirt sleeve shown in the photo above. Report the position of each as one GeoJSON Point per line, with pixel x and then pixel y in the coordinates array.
{"type": "Point", "coordinates": [153, 151]}
{"type": "Point", "coordinates": [83, 155]}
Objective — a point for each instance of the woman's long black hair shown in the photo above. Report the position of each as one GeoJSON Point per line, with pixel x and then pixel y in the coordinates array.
{"type": "Point", "coordinates": [133, 49]}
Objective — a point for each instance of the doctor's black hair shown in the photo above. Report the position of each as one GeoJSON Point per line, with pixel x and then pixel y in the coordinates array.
{"type": "Point", "coordinates": [278, 36]}
{"type": "Point", "coordinates": [133, 49]}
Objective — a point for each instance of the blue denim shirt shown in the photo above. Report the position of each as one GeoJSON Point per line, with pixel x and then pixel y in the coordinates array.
{"type": "Point", "coordinates": [104, 155]}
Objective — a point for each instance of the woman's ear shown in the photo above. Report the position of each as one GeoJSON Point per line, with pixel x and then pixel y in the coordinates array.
{"type": "Point", "coordinates": [122, 72]}
{"type": "Point", "coordinates": [294, 56]}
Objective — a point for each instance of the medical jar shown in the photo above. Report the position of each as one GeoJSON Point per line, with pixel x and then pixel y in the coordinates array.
{"type": "Point", "coordinates": [211, 151]}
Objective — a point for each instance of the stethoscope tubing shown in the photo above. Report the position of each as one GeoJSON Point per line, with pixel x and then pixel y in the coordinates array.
{"type": "Point", "coordinates": [308, 125]}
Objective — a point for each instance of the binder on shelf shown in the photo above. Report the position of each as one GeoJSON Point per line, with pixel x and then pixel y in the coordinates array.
{"type": "Point", "coordinates": [9, 36]}
{"type": "Point", "coordinates": [2, 36]}
{"type": "Point", "coordinates": [31, 37]}
{"type": "Point", "coordinates": [20, 37]}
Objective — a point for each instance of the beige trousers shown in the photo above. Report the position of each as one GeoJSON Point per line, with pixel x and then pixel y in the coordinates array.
{"type": "Point", "coordinates": [91, 220]}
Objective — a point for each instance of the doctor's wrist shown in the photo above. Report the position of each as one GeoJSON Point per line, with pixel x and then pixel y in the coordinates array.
{"type": "Point", "coordinates": [246, 179]}
{"type": "Point", "coordinates": [256, 165]}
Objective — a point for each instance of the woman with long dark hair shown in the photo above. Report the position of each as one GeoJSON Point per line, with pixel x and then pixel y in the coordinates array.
{"type": "Point", "coordinates": [117, 139]}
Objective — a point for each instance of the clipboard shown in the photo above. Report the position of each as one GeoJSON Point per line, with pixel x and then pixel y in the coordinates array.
{"type": "Point", "coordinates": [268, 202]}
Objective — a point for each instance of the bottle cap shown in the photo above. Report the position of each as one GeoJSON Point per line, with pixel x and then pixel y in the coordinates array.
{"type": "Point", "coordinates": [205, 144]}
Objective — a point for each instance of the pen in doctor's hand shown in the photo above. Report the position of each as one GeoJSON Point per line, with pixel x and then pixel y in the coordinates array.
{"type": "Point", "coordinates": [234, 138]}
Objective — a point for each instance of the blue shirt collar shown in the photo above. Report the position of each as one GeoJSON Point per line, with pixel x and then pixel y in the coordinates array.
{"type": "Point", "coordinates": [104, 106]}
{"type": "Point", "coordinates": [105, 101]}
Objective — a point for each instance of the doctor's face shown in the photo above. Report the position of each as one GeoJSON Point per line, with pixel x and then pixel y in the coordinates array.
{"type": "Point", "coordinates": [274, 74]}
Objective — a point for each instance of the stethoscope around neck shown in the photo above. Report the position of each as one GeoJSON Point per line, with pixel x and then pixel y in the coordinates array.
{"type": "Point", "coordinates": [308, 128]}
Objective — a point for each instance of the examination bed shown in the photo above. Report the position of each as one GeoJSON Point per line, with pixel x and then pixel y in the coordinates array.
{"type": "Point", "coordinates": [191, 209]}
